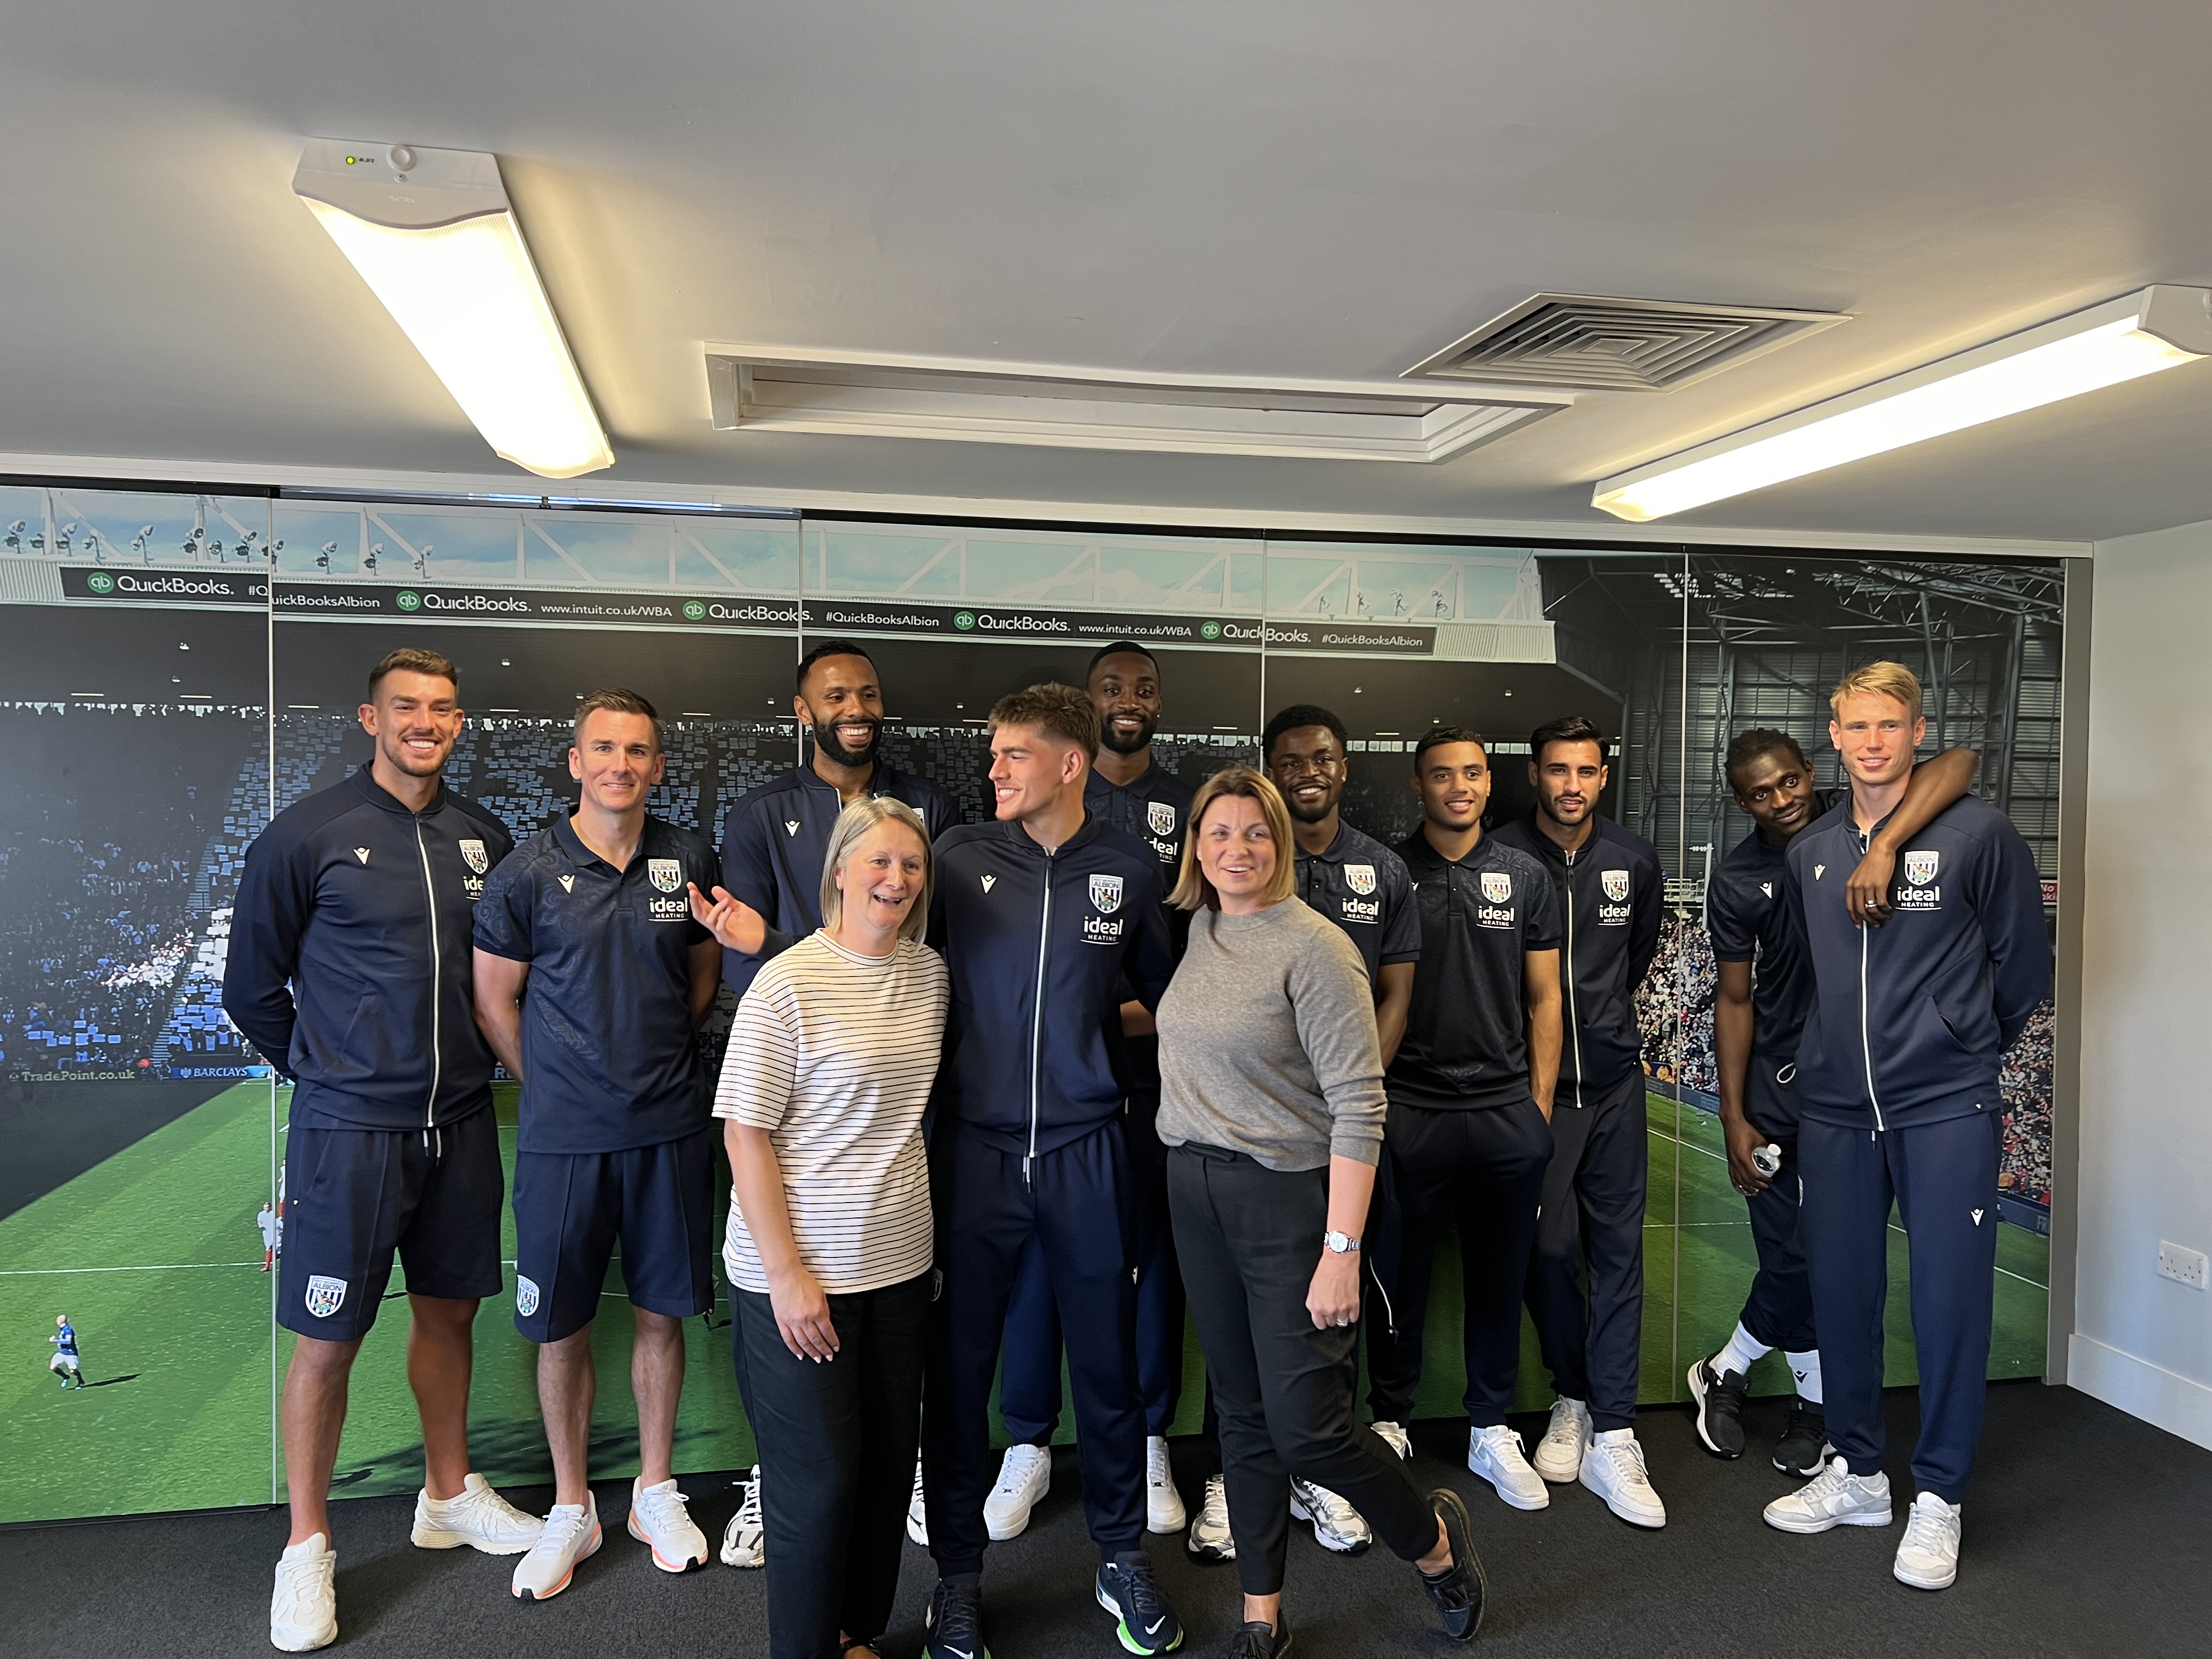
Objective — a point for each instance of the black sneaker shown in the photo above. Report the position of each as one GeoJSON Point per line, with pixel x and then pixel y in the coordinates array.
{"type": "Point", "coordinates": [1257, 1641]}
{"type": "Point", "coordinates": [1803, 1449]}
{"type": "Point", "coordinates": [953, 1628]}
{"type": "Point", "coordinates": [1720, 1397]}
{"type": "Point", "coordinates": [1143, 1619]}
{"type": "Point", "coordinates": [1458, 1592]}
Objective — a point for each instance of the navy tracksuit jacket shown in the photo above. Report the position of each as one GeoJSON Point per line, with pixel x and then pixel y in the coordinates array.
{"type": "Point", "coordinates": [1898, 1078]}
{"type": "Point", "coordinates": [773, 842]}
{"type": "Point", "coordinates": [1592, 1218]}
{"type": "Point", "coordinates": [1029, 1154]}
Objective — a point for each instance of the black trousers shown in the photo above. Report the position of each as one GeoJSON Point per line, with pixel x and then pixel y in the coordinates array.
{"type": "Point", "coordinates": [1485, 1169]}
{"type": "Point", "coordinates": [836, 1445]}
{"type": "Point", "coordinates": [1072, 1205]}
{"type": "Point", "coordinates": [1586, 1275]}
{"type": "Point", "coordinates": [1779, 1310]}
{"type": "Point", "coordinates": [1248, 1238]}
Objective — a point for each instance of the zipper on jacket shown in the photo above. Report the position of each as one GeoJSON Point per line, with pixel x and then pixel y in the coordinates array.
{"type": "Point", "coordinates": [1574, 1020]}
{"type": "Point", "coordinates": [1866, 1044]}
{"type": "Point", "coordinates": [1037, 1017]}
{"type": "Point", "coordinates": [437, 972]}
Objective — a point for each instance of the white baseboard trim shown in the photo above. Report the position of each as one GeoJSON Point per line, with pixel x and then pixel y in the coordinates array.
{"type": "Point", "coordinates": [2178, 1404]}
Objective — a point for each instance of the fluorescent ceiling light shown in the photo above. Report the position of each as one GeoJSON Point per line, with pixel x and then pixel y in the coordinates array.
{"type": "Point", "coordinates": [2161, 327]}
{"type": "Point", "coordinates": [432, 233]}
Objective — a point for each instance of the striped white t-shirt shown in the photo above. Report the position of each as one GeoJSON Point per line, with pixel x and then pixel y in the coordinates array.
{"type": "Point", "coordinates": [834, 1054]}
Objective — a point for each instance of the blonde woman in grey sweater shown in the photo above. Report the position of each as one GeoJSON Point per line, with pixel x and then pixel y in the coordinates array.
{"type": "Point", "coordinates": [1271, 1106]}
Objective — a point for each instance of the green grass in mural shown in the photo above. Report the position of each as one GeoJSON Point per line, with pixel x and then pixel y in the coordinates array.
{"type": "Point", "coordinates": [154, 1254]}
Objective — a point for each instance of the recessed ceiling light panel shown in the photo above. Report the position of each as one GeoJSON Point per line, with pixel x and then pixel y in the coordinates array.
{"type": "Point", "coordinates": [432, 235]}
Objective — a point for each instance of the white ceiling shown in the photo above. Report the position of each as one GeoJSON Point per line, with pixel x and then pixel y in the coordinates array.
{"type": "Point", "coordinates": [1296, 190]}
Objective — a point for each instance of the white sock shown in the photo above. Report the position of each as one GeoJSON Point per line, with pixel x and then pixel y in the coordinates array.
{"type": "Point", "coordinates": [1742, 1353]}
{"type": "Point", "coordinates": [1807, 1369]}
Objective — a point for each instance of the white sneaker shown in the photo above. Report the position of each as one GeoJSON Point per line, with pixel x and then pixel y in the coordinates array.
{"type": "Point", "coordinates": [744, 1540]}
{"type": "Point", "coordinates": [1613, 1467]}
{"type": "Point", "coordinates": [1394, 1436]}
{"type": "Point", "coordinates": [1559, 1452]}
{"type": "Point", "coordinates": [917, 1517]}
{"type": "Point", "coordinates": [1210, 1539]}
{"type": "Point", "coordinates": [1164, 1510]}
{"type": "Point", "coordinates": [1337, 1526]}
{"type": "Point", "coordinates": [1495, 1454]}
{"type": "Point", "coordinates": [1025, 1476]}
{"type": "Point", "coordinates": [657, 1518]}
{"type": "Point", "coordinates": [303, 1612]}
{"type": "Point", "coordinates": [572, 1532]}
{"type": "Point", "coordinates": [1928, 1558]}
{"type": "Point", "coordinates": [1833, 1497]}
{"type": "Point", "coordinates": [479, 1517]}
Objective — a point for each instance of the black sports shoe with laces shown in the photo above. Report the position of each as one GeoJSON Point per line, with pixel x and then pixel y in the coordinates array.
{"type": "Point", "coordinates": [1458, 1592]}
{"type": "Point", "coordinates": [953, 1628]}
{"type": "Point", "coordinates": [1257, 1641]}
{"type": "Point", "coordinates": [1803, 1449]}
{"type": "Point", "coordinates": [1720, 1396]}
{"type": "Point", "coordinates": [1143, 1619]}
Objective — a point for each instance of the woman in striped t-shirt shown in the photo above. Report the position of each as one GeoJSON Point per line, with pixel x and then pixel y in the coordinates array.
{"type": "Point", "coordinates": [829, 1068]}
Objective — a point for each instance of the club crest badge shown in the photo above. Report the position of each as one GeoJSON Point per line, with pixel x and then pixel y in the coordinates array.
{"type": "Point", "coordinates": [1497, 887]}
{"type": "Point", "coordinates": [526, 1295]}
{"type": "Point", "coordinates": [1106, 894]}
{"type": "Point", "coordinates": [666, 874]}
{"type": "Point", "coordinates": [324, 1296]}
{"type": "Point", "coordinates": [473, 855]}
{"type": "Point", "coordinates": [1920, 868]}
{"type": "Point", "coordinates": [1360, 878]}
{"type": "Point", "coordinates": [1160, 816]}
{"type": "Point", "coordinates": [1615, 883]}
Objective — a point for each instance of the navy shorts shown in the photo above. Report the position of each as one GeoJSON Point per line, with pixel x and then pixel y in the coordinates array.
{"type": "Point", "coordinates": [569, 1209]}
{"type": "Point", "coordinates": [353, 1196]}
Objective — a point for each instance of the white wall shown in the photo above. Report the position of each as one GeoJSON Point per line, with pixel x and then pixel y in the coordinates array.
{"type": "Point", "coordinates": [2141, 1342]}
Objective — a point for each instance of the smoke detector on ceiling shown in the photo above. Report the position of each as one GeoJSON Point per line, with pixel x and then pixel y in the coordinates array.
{"type": "Point", "coordinates": [1591, 344]}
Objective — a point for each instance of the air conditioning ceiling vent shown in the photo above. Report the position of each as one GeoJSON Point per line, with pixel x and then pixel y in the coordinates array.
{"type": "Point", "coordinates": [1581, 340]}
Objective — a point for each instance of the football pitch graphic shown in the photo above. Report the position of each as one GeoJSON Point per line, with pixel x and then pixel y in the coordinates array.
{"type": "Point", "coordinates": [174, 668]}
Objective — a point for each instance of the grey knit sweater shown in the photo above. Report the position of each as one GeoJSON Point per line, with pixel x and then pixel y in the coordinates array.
{"type": "Point", "coordinates": [1268, 1042]}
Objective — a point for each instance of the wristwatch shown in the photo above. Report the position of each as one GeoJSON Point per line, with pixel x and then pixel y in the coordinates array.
{"type": "Point", "coordinates": [1342, 1244]}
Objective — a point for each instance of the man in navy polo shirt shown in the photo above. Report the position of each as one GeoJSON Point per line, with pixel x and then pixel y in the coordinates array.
{"type": "Point", "coordinates": [775, 838]}
{"type": "Point", "coordinates": [1129, 790]}
{"type": "Point", "coordinates": [1042, 916]}
{"type": "Point", "coordinates": [593, 917]}
{"type": "Point", "coordinates": [349, 971]}
{"type": "Point", "coordinates": [1898, 1074]}
{"type": "Point", "coordinates": [1765, 987]}
{"type": "Point", "coordinates": [1469, 1132]}
{"type": "Point", "coordinates": [1591, 1228]}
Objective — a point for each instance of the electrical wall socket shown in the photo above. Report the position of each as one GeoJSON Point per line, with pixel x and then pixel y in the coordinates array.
{"type": "Point", "coordinates": [2182, 1265]}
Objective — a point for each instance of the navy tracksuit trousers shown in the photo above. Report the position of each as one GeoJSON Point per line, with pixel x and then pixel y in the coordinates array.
{"type": "Point", "coordinates": [1943, 1178]}
{"type": "Point", "coordinates": [1778, 1312]}
{"type": "Point", "coordinates": [1072, 1209]}
{"type": "Point", "coordinates": [1484, 1167]}
{"type": "Point", "coordinates": [1028, 1373]}
{"type": "Point", "coordinates": [1590, 1233]}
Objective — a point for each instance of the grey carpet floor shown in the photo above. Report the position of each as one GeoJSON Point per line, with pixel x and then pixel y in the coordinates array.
{"type": "Point", "coordinates": [2087, 1533]}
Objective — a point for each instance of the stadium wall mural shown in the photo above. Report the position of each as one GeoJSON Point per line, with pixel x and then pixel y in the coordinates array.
{"type": "Point", "coordinates": [175, 667]}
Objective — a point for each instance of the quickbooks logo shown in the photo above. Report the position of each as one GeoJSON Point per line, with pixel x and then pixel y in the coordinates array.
{"type": "Point", "coordinates": [1209, 630]}
{"type": "Point", "coordinates": [963, 620]}
{"type": "Point", "coordinates": [100, 582]}
{"type": "Point", "coordinates": [695, 610]}
{"type": "Point", "coordinates": [409, 600]}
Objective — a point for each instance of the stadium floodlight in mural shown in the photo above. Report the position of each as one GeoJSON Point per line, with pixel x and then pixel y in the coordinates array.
{"type": "Point", "coordinates": [2160, 327]}
{"type": "Point", "coordinates": [434, 235]}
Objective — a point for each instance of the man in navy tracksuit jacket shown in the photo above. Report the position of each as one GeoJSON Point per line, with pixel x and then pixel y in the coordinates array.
{"type": "Point", "coordinates": [1608, 884]}
{"type": "Point", "coordinates": [1041, 917]}
{"type": "Point", "coordinates": [1898, 1074]}
{"type": "Point", "coordinates": [775, 838]}
{"type": "Point", "coordinates": [349, 971]}
{"type": "Point", "coordinates": [1128, 790]}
